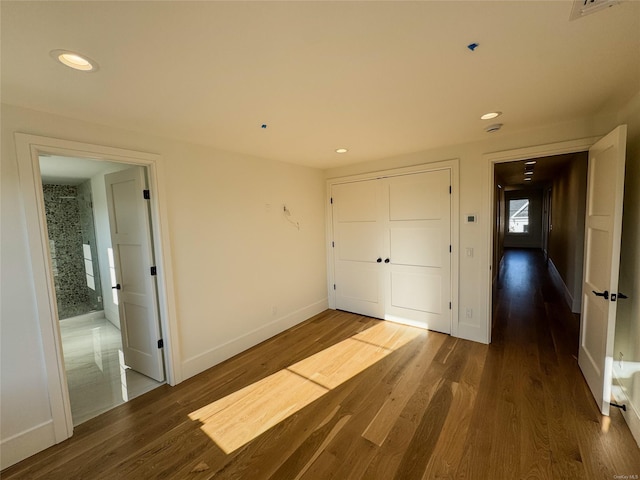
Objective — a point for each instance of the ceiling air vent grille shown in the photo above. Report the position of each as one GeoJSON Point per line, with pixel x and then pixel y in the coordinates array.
{"type": "Point", "coordinates": [585, 7]}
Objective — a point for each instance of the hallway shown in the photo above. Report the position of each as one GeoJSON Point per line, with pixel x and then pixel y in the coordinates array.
{"type": "Point", "coordinates": [541, 398]}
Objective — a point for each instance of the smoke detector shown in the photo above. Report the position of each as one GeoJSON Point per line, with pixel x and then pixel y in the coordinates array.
{"type": "Point", "coordinates": [582, 8]}
{"type": "Point", "coordinates": [493, 128]}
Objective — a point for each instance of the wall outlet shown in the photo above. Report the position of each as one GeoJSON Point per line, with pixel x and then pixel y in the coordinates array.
{"type": "Point", "coordinates": [274, 310]}
{"type": "Point", "coordinates": [469, 312]}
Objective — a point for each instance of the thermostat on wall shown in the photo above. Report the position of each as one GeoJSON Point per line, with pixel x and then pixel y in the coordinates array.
{"type": "Point", "coordinates": [471, 218]}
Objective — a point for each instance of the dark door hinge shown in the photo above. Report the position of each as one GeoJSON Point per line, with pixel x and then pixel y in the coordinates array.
{"type": "Point", "coordinates": [334, 286]}
{"type": "Point", "coordinates": [146, 194]}
{"type": "Point", "coordinates": [449, 248]}
{"type": "Point", "coordinates": [331, 200]}
{"type": "Point", "coordinates": [154, 271]}
{"type": "Point", "coordinates": [449, 305]}
{"type": "Point", "coordinates": [160, 343]}
{"type": "Point", "coordinates": [449, 189]}
{"type": "Point", "coordinates": [333, 244]}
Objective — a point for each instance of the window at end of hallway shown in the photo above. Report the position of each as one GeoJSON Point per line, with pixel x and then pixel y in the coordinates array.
{"type": "Point", "coordinates": [519, 215]}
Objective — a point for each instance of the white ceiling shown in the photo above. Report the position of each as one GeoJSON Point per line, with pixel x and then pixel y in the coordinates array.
{"type": "Point", "coordinates": [73, 171]}
{"type": "Point", "coordinates": [379, 78]}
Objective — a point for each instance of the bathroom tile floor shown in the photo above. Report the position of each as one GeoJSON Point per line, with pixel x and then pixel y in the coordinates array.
{"type": "Point", "coordinates": [97, 377]}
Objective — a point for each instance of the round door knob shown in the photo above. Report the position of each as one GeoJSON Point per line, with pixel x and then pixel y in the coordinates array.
{"type": "Point", "coordinates": [386, 260]}
{"type": "Point", "coordinates": [117, 287]}
{"type": "Point", "coordinates": [379, 260]}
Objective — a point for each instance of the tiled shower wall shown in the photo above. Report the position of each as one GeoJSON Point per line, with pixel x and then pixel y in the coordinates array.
{"type": "Point", "coordinates": [85, 206]}
{"type": "Point", "coordinates": [70, 225]}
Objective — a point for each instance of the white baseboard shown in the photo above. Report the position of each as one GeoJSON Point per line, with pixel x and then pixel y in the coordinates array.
{"type": "Point", "coordinates": [199, 363]}
{"type": "Point", "coordinates": [631, 415]}
{"type": "Point", "coordinates": [559, 283]}
{"type": "Point", "coordinates": [27, 443]}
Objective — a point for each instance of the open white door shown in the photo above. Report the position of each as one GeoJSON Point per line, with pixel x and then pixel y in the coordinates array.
{"type": "Point", "coordinates": [603, 231]}
{"type": "Point", "coordinates": [133, 258]}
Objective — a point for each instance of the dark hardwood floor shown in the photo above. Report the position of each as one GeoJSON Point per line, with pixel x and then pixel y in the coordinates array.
{"type": "Point", "coordinates": [343, 396]}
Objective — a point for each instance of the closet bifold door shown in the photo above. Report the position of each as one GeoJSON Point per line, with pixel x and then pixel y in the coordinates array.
{"type": "Point", "coordinates": [392, 241]}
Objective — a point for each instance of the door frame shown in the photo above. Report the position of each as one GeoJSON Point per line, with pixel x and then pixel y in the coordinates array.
{"type": "Point", "coordinates": [28, 149]}
{"type": "Point", "coordinates": [518, 154]}
{"type": "Point", "coordinates": [453, 166]}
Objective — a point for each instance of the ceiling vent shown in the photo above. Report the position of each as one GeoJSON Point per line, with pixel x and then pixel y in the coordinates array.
{"type": "Point", "coordinates": [582, 8]}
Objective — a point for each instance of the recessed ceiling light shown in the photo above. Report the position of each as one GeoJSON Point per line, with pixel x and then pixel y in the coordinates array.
{"type": "Point", "coordinates": [530, 162]}
{"type": "Point", "coordinates": [490, 115]}
{"type": "Point", "coordinates": [528, 173]}
{"type": "Point", "coordinates": [528, 179]}
{"type": "Point", "coordinates": [342, 150]}
{"type": "Point", "coordinates": [75, 60]}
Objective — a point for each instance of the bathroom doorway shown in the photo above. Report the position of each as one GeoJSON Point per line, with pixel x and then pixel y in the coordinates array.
{"type": "Point", "coordinates": [83, 271]}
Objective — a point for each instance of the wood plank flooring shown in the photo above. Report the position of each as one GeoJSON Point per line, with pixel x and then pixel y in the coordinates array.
{"type": "Point", "coordinates": [365, 399]}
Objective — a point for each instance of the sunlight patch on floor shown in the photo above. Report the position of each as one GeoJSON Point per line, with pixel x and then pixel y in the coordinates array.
{"type": "Point", "coordinates": [240, 417]}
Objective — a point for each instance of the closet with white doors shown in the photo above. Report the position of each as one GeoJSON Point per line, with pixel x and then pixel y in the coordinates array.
{"type": "Point", "coordinates": [391, 248]}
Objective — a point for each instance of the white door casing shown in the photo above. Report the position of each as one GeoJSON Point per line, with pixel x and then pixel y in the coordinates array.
{"type": "Point", "coordinates": [391, 248]}
{"type": "Point", "coordinates": [603, 231]}
{"type": "Point", "coordinates": [133, 258]}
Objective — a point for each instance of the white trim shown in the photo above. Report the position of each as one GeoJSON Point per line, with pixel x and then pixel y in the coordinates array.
{"type": "Point", "coordinates": [203, 361]}
{"type": "Point", "coordinates": [490, 159]}
{"type": "Point", "coordinates": [28, 149]}
{"type": "Point", "coordinates": [631, 414]}
{"type": "Point", "coordinates": [453, 166]}
{"type": "Point", "coordinates": [27, 443]}
{"type": "Point", "coordinates": [559, 282]}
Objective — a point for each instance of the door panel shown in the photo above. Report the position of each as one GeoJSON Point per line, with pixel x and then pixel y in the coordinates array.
{"type": "Point", "coordinates": [405, 222]}
{"type": "Point", "coordinates": [419, 271]}
{"type": "Point", "coordinates": [408, 287]}
{"type": "Point", "coordinates": [357, 246]}
{"type": "Point", "coordinates": [419, 246]}
{"type": "Point", "coordinates": [137, 296]}
{"type": "Point", "coordinates": [411, 198]}
{"type": "Point", "coordinates": [602, 263]}
{"type": "Point", "coordinates": [358, 242]}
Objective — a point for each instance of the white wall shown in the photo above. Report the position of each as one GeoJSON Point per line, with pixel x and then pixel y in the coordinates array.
{"type": "Point", "coordinates": [25, 413]}
{"type": "Point", "coordinates": [475, 187]}
{"type": "Point", "coordinates": [234, 260]}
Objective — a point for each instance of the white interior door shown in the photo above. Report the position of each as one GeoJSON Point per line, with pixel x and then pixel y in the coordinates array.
{"type": "Point", "coordinates": [418, 238]}
{"type": "Point", "coordinates": [133, 258]}
{"type": "Point", "coordinates": [603, 231]}
{"type": "Point", "coordinates": [358, 247]}
{"type": "Point", "coordinates": [391, 248]}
